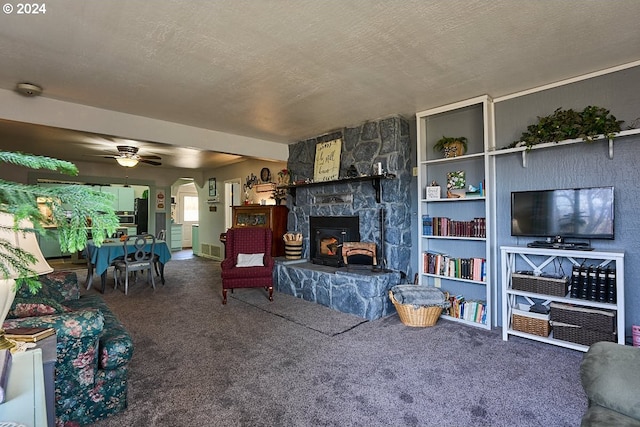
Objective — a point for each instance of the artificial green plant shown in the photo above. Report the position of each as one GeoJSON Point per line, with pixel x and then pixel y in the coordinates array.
{"type": "Point", "coordinates": [570, 124]}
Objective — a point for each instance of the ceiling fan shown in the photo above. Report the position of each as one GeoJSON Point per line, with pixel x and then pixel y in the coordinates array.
{"type": "Point", "coordinates": [128, 157]}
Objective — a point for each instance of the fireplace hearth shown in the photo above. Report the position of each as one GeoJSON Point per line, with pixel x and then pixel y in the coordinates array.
{"type": "Point", "coordinates": [327, 234]}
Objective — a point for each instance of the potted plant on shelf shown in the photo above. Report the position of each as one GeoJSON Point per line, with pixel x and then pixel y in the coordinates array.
{"type": "Point", "coordinates": [451, 147]}
{"type": "Point", "coordinates": [70, 208]}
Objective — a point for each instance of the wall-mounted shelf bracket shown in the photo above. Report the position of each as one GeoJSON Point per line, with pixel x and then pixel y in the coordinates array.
{"type": "Point", "coordinates": [376, 186]}
{"type": "Point", "coordinates": [610, 153]}
{"type": "Point", "coordinates": [610, 148]}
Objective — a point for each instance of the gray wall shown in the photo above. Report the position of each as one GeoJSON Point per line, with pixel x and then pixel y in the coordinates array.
{"type": "Point", "coordinates": [578, 165]}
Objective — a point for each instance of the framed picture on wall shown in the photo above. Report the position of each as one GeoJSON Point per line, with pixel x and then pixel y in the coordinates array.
{"type": "Point", "coordinates": [212, 187]}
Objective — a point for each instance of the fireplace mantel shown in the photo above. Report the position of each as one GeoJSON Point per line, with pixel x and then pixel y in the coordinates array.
{"type": "Point", "coordinates": [375, 181]}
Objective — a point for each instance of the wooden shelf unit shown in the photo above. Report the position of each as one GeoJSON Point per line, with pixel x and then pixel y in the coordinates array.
{"type": "Point", "coordinates": [271, 216]}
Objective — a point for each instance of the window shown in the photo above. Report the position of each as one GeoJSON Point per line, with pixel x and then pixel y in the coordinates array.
{"type": "Point", "coordinates": [190, 209]}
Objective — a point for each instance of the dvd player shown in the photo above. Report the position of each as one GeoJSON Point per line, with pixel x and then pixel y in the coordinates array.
{"type": "Point", "coordinates": [577, 246]}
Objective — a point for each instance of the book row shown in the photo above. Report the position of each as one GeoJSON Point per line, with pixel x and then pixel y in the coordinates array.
{"type": "Point", "coordinates": [443, 226]}
{"type": "Point", "coordinates": [593, 283]}
{"type": "Point", "coordinates": [472, 311]}
{"type": "Point", "coordinates": [461, 268]}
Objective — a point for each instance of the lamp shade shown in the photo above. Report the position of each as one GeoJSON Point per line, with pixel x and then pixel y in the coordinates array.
{"type": "Point", "coordinates": [25, 241]}
{"type": "Point", "coordinates": [128, 162]}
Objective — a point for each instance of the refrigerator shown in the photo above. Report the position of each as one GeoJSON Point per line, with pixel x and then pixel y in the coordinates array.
{"type": "Point", "coordinates": [141, 211]}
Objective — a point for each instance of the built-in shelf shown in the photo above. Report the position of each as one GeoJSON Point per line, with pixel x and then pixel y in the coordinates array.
{"type": "Point", "coordinates": [453, 199]}
{"type": "Point", "coordinates": [473, 119]}
{"type": "Point", "coordinates": [375, 181]}
{"type": "Point", "coordinates": [453, 159]}
{"type": "Point", "coordinates": [524, 149]}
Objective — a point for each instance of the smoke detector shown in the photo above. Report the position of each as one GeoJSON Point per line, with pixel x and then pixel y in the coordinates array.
{"type": "Point", "coordinates": [28, 89]}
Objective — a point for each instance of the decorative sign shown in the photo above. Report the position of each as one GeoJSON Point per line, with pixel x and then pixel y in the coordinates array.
{"type": "Point", "coordinates": [160, 200]}
{"type": "Point", "coordinates": [327, 165]}
{"type": "Point", "coordinates": [433, 192]}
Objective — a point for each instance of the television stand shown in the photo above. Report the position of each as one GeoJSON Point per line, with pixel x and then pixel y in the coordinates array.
{"type": "Point", "coordinates": [548, 261]}
{"type": "Point", "coordinates": [577, 246]}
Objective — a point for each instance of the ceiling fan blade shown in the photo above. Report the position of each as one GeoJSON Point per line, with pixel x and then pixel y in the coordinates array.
{"type": "Point", "coordinates": [150, 162]}
{"type": "Point", "coordinates": [152, 157]}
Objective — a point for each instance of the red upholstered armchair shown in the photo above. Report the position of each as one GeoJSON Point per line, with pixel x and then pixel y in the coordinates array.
{"type": "Point", "coordinates": [243, 266]}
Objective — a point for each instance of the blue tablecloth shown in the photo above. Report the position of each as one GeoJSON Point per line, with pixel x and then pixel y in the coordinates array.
{"type": "Point", "coordinates": [102, 257]}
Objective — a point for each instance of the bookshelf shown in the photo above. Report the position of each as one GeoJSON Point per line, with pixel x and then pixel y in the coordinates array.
{"type": "Point", "coordinates": [454, 247]}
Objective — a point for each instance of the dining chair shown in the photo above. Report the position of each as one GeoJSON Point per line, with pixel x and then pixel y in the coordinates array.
{"type": "Point", "coordinates": [90, 267]}
{"type": "Point", "coordinates": [140, 250]}
{"type": "Point", "coordinates": [162, 235]}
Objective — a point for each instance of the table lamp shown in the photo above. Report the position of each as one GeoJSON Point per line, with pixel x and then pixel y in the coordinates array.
{"type": "Point", "coordinates": [28, 242]}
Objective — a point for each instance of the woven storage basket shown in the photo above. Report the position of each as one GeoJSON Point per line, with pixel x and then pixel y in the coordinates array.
{"type": "Point", "coordinates": [579, 335]}
{"type": "Point", "coordinates": [531, 323]}
{"type": "Point", "coordinates": [412, 316]}
{"type": "Point", "coordinates": [588, 318]}
{"type": "Point", "coordinates": [453, 149]}
{"type": "Point", "coordinates": [556, 286]}
{"type": "Point", "coordinates": [293, 249]}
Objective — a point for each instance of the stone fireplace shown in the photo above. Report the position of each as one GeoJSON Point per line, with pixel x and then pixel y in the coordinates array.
{"type": "Point", "coordinates": [326, 236]}
{"type": "Point", "coordinates": [383, 210]}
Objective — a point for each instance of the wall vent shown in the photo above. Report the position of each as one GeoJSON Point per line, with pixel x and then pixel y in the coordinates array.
{"type": "Point", "coordinates": [216, 251]}
{"type": "Point", "coordinates": [210, 251]}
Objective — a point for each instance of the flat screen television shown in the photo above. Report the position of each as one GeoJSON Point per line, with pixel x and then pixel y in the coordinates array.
{"type": "Point", "coordinates": [580, 213]}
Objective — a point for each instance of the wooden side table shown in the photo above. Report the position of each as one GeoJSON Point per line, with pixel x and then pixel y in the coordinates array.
{"type": "Point", "coordinates": [25, 400]}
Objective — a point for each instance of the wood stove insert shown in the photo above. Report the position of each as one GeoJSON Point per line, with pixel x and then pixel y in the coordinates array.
{"type": "Point", "coordinates": [327, 234]}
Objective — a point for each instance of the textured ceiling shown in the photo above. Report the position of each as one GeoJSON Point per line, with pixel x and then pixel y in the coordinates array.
{"type": "Point", "coordinates": [286, 70]}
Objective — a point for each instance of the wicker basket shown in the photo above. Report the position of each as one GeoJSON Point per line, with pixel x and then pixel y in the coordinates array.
{"type": "Point", "coordinates": [293, 249]}
{"type": "Point", "coordinates": [453, 149]}
{"type": "Point", "coordinates": [587, 318]}
{"type": "Point", "coordinates": [556, 286]}
{"type": "Point", "coordinates": [419, 317]}
{"type": "Point", "coordinates": [531, 323]}
{"type": "Point", "coordinates": [579, 335]}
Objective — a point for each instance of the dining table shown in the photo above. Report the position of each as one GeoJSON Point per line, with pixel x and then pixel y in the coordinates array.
{"type": "Point", "coordinates": [100, 258]}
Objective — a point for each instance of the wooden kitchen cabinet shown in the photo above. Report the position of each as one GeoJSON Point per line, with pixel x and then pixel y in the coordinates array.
{"type": "Point", "coordinates": [271, 216]}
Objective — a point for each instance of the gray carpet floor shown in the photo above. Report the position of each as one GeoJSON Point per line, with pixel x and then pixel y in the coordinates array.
{"type": "Point", "coordinates": [294, 363]}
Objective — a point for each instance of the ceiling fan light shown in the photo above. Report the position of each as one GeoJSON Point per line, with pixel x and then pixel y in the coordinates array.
{"type": "Point", "coordinates": [127, 162]}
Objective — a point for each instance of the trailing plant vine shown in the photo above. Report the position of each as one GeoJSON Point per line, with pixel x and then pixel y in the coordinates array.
{"type": "Point", "coordinates": [570, 124]}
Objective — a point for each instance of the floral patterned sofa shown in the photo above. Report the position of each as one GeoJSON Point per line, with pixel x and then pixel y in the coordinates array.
{"type": "Point", "coordinates": [93, 350]}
